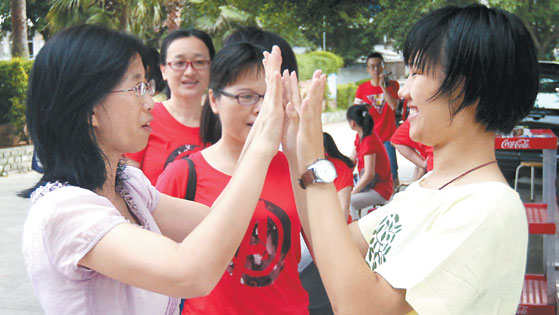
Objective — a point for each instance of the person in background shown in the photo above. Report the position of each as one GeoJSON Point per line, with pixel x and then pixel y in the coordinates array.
{"type": "Point", "coordinates": [455, 241]}
{"type": "Point", "coordinates": [262, 278]}
{"type": "Point", "coordinates": [185, 64]}
{"type": "Point", "coordinates": [99, 238]}
{"type": "Point", "coordinates": [380, 94]}
{"type": "Point", "coordinates": [419, 154]}
{"type": "Point", "coordinates": [374, 182]}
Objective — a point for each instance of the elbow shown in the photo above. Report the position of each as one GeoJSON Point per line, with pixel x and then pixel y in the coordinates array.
{"type": "Point", "coordinates": [196, 282]}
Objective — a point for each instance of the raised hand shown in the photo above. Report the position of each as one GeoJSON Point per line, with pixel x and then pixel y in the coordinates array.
{"type": "Point", "coordinates": [309, 136]}
{"type": "Point", "coordinates": [292, 101]}
{"type": "Point", "coordinates": [266, 132]}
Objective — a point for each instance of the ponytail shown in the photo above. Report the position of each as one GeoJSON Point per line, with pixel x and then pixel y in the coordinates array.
{"type": "Point", "coordinates": [332, 150]}
{"type": "Point", "coordinates": [360, 114]}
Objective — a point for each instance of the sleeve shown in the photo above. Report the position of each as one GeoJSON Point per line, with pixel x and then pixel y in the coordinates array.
{"type": "Point", "coordinates": [360, 97]}
{"type": "Point", "coordinates": [173, 180]}
{"type": "Point", "coordinates": [76, 222]}
{"type": "Point", "coordinates": [445, 267]}
{"type": "Point", "coordinates": [141, 189]}
{"type": "Point", "coordinates": [344, 179]}
{"type": "Point", "coordinates": [402, 134]}
{"type": "Point", "coordinates": [137, 156]}
{"type": "Point", "coordinates": [368, 146]}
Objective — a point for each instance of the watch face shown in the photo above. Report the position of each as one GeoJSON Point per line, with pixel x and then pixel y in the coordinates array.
{"type": "Point", "coordinates": [325, 171]}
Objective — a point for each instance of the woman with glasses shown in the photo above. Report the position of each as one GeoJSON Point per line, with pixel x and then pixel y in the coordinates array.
{"type": "Point", "coordinates": [99, 238]}
{"type": "Point", "coordinates": [185, 65]}
{"type": "Point", "coordinates": [262, 278]}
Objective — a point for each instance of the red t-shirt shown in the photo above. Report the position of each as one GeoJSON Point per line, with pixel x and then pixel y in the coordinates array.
{"type": "Point", "coordinates": [402, 136]}
{"type": "Point", "coordinates": [345, 174]}
{"type": "Point", "coordinates": [168, 141]}
{"type": "Point", "coordinates": [262, 278]}
{"type": "Point", "coordinates": [383, 116]}
{"type": "Point", "coordinates": [371, 144]}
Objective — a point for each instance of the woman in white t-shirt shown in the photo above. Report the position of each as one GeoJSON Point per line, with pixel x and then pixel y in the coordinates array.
{"type": "Point", "coordinates": [455, 241]}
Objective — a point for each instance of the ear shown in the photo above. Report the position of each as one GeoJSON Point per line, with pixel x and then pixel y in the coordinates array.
{"type": "Point", "coordinates": [94, 120]}
{"type": "Point", "coordinates": [162, 68]}
{"type": "Point", "coordinates": [213, 102]}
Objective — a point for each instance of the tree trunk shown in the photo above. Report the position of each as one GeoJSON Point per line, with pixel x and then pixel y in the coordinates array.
{"type": "Point", "coordinates": [19, 29]}
{"type": "Point", "coordinates": [173, 21]}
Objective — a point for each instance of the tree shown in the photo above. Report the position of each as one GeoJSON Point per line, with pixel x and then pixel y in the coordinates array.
{"type": "Point", "coordinates": [19, 29]}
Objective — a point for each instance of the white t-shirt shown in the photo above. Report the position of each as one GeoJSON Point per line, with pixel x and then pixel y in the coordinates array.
{"type": "Point", "coordinates": [460, 250]}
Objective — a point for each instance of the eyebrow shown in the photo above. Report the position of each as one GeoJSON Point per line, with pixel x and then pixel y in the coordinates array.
{"type": "Point", "coordinates": [184, 56]}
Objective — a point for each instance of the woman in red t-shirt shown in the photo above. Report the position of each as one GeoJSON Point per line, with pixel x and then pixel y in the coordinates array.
{"type": "Point", "coordinates": [185, 65]}
{"type": "Point", "coordinates": [262, 277]}
{"type": "Point", "coordinates": [419, 154]}
{"type": "Point", "coordinates": [374, 185]}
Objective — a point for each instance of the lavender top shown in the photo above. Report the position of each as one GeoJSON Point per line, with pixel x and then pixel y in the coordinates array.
{"type": "Point", "coordinates": [63, 224]}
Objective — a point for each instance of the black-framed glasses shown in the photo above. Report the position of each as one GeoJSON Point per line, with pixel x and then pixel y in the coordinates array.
{"type": "Point", "coordinates": [181, 65]}
{"type": "Point", "coordinates": [141, 88]}
{"type": "Point", "coordinates": [244, 98]}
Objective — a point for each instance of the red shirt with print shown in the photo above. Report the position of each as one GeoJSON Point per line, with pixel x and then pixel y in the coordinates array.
{"type": "Point", "coordinates": [371, 144]}
{"type": "Point", "coordinates": [383, 116]}
{"type": "Point", "coordinates": [262, 278]}
{"type": "Point", "coordinates": [169, 140]}
{"type": "Point", "coordinates": [402, 136]}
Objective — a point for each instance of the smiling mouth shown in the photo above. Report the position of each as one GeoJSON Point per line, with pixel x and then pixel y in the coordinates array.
{"type": "Point", "coordinates": [413, 110]}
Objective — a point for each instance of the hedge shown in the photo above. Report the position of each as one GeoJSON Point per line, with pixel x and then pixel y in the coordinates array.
{"type": "Point", "coordinates": [309, 62]}
{"type": "Point", "coordinates": [13, 87]}
{"type": "Point", "coordinates": [346, 93]}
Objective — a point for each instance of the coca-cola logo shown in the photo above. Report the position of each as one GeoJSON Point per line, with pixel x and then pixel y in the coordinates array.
{"type": "Point", "coordinates": [515, 144]}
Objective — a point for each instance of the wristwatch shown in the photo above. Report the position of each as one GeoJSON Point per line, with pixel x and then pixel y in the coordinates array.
{"type": "Point", "coordinates": [321, 171]}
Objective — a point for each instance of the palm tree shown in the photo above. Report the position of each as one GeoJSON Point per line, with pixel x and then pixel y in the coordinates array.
{"type": "Point", "coordinates": [140, 17]}
{"type": "Point", "coordinates": [19, 29]}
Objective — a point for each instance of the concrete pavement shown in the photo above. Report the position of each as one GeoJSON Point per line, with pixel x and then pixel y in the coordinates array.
{"type": "Point", "coordinates": [16, 294]}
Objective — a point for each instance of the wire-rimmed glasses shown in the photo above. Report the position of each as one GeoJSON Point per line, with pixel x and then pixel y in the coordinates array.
{"type": "Point", "coordinates": [141, 88]}
{"type": "Point", "coordinates": [244, 98]}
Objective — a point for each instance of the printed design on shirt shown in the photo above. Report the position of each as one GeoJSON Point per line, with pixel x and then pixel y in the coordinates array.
{"type": "Point", "coordinates": [381, 241]}
{"type": "Point", "coordinates": [183, 150]}
{"type": "Point", "coordinates": [261, 257]}
{"type": "Point", "coordinates": [377, 101]}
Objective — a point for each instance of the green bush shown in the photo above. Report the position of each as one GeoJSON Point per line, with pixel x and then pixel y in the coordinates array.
{"type": "Point", "coordinates": [13, 87]}
{"type": "Point", "coordinates": [309, 62]}
{"type": "Point", "coordinates": [345, 95]}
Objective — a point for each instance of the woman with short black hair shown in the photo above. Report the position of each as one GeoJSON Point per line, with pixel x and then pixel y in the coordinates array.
{"type": "Point", "coordinates": [455, 241]}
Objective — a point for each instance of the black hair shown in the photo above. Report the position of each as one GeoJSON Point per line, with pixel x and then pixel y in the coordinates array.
{"type": "Point", "coordinates": [488, 51]}
{"type": "Point", "coordinates": [360, 114]}
{"type": "Point", "coordinates": [183, 33]}
{"type": "Point", "coordinates": [228, 65]}
{"type": "Point", "coordinates": [71, 74]}
{"type": "Point", "coordinates": [332, 150]}
{"type": "Point", "coordinates": [375, 54]}
{"type": "Point", "coordinates": [153, 72]}
{"type": "Point", "coordinates": [266, 39]}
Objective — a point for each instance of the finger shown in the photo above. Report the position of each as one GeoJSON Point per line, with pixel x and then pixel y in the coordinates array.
{"type": "Point", "coordinates": [295, 90]}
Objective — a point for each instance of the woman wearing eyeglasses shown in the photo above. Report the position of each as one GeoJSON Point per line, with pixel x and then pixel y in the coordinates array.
{"type": "Point", "coordinates": [99, 238]}
{"type": "Point", "coordinates": [262, 278]}
{"type": "Point", "coordinates": [185, 65]}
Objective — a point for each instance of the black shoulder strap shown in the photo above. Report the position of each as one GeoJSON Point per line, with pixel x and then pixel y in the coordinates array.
{"type": "Point", "coordinates": [191, 182]}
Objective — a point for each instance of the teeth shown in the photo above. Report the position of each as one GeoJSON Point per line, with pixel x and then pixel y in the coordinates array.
{"type": "Point", "coordinates": [413, 110]}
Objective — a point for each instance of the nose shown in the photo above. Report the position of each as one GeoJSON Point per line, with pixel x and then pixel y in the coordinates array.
{"type": "Point", "coordinates": [148, 102]}
{"type": "Point", "coordinates": [189, 68]}
{"type": "Point", "coordinates": [404, 91]}
{"type": "Point", "coordinates": [256, 107]}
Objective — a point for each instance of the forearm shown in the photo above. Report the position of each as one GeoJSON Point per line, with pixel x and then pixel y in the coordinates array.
{"type": "Point", "coordinates": [410, 154]}
{"type": "Point", "coordinates": [218, 236]}
{"type": "Point", "coordinates": [363, 181]}
{"type": "Point", "coordinates": [300, 198]}
{"type": "Point", "coordinates": [390, 100]}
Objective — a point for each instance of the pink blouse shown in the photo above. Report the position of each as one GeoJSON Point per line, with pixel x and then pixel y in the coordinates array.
{"type": "Point", "coordinates": [63, 224]}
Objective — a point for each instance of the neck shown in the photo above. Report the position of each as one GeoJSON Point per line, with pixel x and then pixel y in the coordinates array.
{"type": "Point", "coordinates": [187, 111]}
{"type": "Point", "coordinates": [223, 155]}
{"type": "Point", "coordinates": [108, 189]}
{"type": "Point", "coordinates": [375, 81]}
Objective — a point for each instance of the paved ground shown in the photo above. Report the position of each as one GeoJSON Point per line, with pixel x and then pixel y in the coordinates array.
{"type": "Point", "coordinates": [16, 294]}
